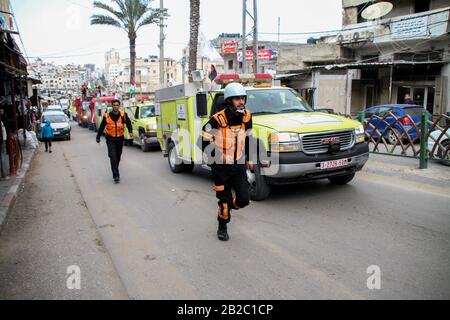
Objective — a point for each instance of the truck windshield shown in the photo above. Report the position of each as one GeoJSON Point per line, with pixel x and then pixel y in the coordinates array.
{"type": "Point", "coordinates": [148, 112]}
{"type": "Point", "coordinates": [275, 101]}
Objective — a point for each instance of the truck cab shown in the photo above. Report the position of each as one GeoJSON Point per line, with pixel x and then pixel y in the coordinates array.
{"type": "Point", "coordinates": [295, 143]}
{"type": "Point", "coordinates": [143, 119]}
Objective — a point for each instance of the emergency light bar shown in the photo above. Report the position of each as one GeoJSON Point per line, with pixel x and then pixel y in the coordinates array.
{"type": "Point", "coordinates": [243, 78]}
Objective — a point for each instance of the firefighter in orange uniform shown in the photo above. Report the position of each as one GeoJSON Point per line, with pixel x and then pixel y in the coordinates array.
{"type": "Point", "coordinates": [113, 126]}
{"type": "Point", "coordinates": [228, 134]}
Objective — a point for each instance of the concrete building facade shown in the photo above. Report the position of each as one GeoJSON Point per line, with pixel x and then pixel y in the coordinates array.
{"type": "Point", "coordinates": [379, 61]}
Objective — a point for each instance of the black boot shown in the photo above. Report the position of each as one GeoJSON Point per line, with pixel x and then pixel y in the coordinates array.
{"type": "Point", "coordinates": [222, 233]}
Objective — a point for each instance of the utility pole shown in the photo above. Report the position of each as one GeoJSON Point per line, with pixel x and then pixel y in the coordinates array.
{"type": "Point", "coordinates": [255, 36]}
{"type": "Point", "coordinates": [244, 35]}
{"type": "Point", "coordinates": [279, 41]}
{"type": "Point", "coordinates": [161, 45]}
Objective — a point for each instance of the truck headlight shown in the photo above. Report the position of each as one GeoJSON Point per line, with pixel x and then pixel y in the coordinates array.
{"type": "Point", "coordinates": [152, 127]}
{"type": "Point", "coordinates": [285, 142]}
{"type": "Point", "coordinates": [360, 134]}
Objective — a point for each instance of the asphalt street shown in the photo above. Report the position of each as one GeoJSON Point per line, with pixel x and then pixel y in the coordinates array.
{"type": "Point", "coordinates": [311, 241]}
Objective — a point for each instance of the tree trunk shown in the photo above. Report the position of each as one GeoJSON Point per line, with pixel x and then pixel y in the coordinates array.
{"type": "Point", "coordinates": [132, 38]}
{"type": "Point", "coordinates": [193, 43]}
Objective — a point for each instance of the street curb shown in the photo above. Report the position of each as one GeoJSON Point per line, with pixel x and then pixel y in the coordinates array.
{"type": "Point", "coordinates": [408, 175]}
{"type": "Point", "coordinates": [9, 200]}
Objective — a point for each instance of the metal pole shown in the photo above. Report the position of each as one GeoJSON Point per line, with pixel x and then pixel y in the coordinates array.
{"type": "Point", "coordinates": [424, 154]}
{"type": "Point", "coordinates": [161, 46]}
{"type": "Point", "coordinates": [255, 36]}
{"type": "Point", "coordinates": [244, 35]}
{"type": "Point", "coordinates": [391, 84]}
{"type": "Point", "coordinates": [279, 40]}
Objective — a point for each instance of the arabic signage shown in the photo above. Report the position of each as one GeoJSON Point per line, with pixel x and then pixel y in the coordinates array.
{"type": "Point", "coordinates": [410, 28]}
{"type": "Point", "coordinates": [229, 47]}
{"type": "Point", "coordinates": [263, 55]}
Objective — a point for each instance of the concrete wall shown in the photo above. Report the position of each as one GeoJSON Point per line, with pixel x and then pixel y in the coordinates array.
{"type": "Point", "coordinates": [437, 4]}
{"type": "Point", "coordinates": [299, 56]}
{"type": "Point", "coordinates": [445, 88]}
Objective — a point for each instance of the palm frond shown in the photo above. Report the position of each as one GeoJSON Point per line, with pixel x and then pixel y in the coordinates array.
{"type": "Point", "coordinates": [150, 19]}
{"type": "Point", "coordinates": [101, 5]}
{"type": "Point", "coordinates": [100, 19]}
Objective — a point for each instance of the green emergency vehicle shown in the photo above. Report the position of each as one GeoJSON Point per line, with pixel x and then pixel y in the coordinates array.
{"type": "Point", "coordinates": [143, 120]}
{"type": "Point", "coordinates": [295, 143]}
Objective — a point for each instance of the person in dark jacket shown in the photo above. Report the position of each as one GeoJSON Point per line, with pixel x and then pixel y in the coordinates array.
{"type": "Point", "coordinates": [113, 126]}
{"type": "Point", "coordinates": [229, 132]}
{"type": "Point", "coordinates": [47, 136]}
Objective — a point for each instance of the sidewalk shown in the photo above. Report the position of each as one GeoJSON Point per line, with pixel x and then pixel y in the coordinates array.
{"type": "Point", "coordinates": [408, 169]}
{"type": "Point", "coordinates": [48, 233]}
{"type": "Point", "coordinates": [10, 187]}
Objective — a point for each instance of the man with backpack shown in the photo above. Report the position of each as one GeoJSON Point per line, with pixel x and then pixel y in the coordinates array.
{"type": "Point", "coordinates": [113, 126]}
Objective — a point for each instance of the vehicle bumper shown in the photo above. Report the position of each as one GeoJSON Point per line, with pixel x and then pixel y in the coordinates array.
{"type": "Point", "coordinates": [61, 134]}
{"type": "Point", "coordinates": [297, 167]}
{"type": "Point", "coordinates": [151, 139]}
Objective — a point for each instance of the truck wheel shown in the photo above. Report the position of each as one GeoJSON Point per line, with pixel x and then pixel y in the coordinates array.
{"type": "Point", "coordinates": [144, 146]}
{"type": "Point", "coordinates": [343, 180]}
{"type": "Point", "coordinates": [174, 162]}
{"type": "Point", "coordinates": [259, 189]}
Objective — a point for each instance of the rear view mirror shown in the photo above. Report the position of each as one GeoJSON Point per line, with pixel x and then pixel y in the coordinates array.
{"type": "Point", "coordinates": [202, 105]}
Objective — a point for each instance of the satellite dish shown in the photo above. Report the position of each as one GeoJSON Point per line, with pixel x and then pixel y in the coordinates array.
{"type": "Point", "coordinates": [377, 10]}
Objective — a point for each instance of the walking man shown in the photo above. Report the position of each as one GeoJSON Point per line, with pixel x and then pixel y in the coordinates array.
{"type": "Point", "coordinates": [47, 136]}
{"type": "Point", "coordinates": [113, 126]}
{"type": "Point", "coordinates": [229, 131]}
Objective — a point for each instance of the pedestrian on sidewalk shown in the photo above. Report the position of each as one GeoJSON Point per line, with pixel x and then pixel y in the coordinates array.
{"type": "Point", "coordinates": [47, 136]}
{"type": "Point", "coordinates": [113, 126]}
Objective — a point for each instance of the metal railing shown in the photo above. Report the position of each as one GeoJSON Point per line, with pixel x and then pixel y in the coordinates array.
{"type": "Point", "coordinates": [402, 136]}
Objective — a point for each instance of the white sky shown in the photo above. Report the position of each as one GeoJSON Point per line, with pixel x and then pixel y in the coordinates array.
{"type": "Point", "coordinates": [60, 29]}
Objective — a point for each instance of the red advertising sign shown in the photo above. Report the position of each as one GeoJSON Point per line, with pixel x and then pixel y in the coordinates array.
{"type": "Point", "coordinates": [263, 55]}
{"type": "Point", "coordinates": [229, 47]}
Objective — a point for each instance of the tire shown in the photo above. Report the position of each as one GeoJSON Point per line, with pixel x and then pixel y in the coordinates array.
{"type": "Point", "coordinates": [176, 166]}
{"type": "Point", "coordinates": [342, 180]}
{"type": "Point", "coordinates": [259, 188]}
{"type": "Point", "coordinates": [444, 155]}
{"type": "Point", "coordinates": [144, 146]}
{"type": "Point", "coordinates": [391, 136]}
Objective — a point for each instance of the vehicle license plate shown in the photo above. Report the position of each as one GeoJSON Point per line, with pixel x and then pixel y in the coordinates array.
{"type": "Point", "coordinates": [333, 164]}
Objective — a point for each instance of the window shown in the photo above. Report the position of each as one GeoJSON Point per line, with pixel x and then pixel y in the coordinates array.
{"type": "Point", "coordinates": [421, 6]}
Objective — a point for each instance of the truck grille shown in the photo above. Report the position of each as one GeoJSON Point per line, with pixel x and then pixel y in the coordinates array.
{"type": "Point", "coordinates": [314, 143]}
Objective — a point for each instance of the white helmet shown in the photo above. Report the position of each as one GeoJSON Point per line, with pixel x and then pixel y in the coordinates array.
{"type": "Point", "coordinates": [235, 90]}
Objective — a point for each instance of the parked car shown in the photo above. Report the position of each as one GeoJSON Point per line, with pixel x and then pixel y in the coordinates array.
{"type": "Point", "coordinates": [442, 151]}
{"type": "Point", "coordinates": [60, 124]}
{"type": "Point", "coordinates": [392, 129]}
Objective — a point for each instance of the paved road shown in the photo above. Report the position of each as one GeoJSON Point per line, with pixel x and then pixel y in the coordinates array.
{"type": "Point", "coordinates": [313, 241]}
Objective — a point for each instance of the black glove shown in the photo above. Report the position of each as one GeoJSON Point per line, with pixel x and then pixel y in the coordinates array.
{"type": "Point", "coordinates": [98, 140]}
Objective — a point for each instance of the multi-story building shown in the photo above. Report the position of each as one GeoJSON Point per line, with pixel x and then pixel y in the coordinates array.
{"type": "Point", "coordinates": [112, 65]}
{"type": "Point", "coordinates": [379, 61]}
{"type": "Point", "coordinates": [147, 75]}
{"type": "Point", "coordinates": [62, 79]}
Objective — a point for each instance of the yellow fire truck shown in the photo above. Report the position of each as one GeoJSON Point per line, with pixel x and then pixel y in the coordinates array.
{"type": "Point", "coordinates": [295, 143]}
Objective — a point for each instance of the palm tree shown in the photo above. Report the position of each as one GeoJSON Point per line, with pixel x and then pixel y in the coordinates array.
{"type": "Point", "coordinates": [193, 43]}
{"type": "Point", "coordinates": [130, 16]}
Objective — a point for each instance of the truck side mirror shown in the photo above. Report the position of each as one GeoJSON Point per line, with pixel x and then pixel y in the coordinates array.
{"type": "Point", "coordinates": [202, 105]}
